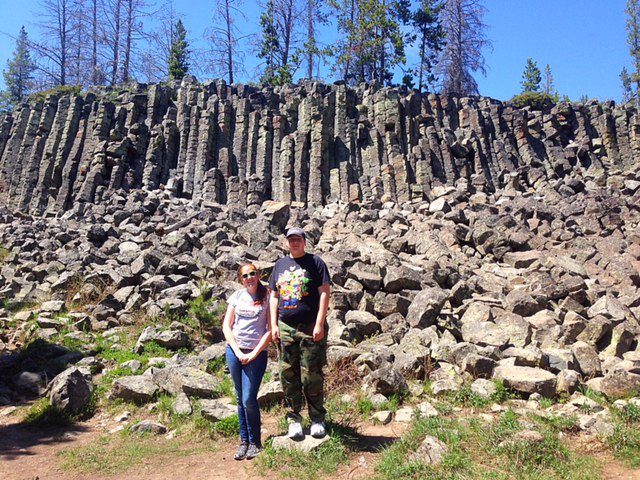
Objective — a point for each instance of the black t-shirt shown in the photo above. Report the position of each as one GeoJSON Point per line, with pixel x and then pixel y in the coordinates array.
{"type": "Point", "coordinates": [296, 281]}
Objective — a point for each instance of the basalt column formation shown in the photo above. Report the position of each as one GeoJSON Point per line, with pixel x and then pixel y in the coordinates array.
{"type": "Point", "coordinates": [309, 143]}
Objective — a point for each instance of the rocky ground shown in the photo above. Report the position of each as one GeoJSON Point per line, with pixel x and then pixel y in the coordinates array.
{"type": "Point", "coordinates": [527, 296]}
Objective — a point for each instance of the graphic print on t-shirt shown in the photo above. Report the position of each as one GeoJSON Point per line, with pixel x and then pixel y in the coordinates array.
{"type": "Point", "coordinates": [292, 286]}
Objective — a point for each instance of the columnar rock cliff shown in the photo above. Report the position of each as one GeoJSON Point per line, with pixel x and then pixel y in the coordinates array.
{"type": "Point", "coordinates": [310, 143]}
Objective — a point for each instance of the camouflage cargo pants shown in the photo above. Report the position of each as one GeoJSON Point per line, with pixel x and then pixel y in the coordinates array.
{"type": "Point", "coordinates": [301, 363]}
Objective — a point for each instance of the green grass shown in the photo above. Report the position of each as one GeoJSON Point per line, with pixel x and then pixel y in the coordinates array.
{"type": "Point", "coordinates": [625, 441]}
{"type": "Point", "coordinates": [61, 90]}
{"type": "Point", "coordinates": [625, 444]}
{"type": "Point", "coordinates": [465, 397]}
{"type": "Point", "coordinates": [110, 455]}
{"type": "Point", "coordinates": [15, 307]}
{"type": "Point", "coordinates": [43, 414]}
{"type": "Point", "coordinates": [4, 253]}
{"type": "Point", "coordinates": [476, 451]}
{"type": "Point", "coordinates": [365, 406]}
{"type": "Point", "coordinates": [593, 395]}
{"type": "Point", "coordinates": [557, 423]}
{"type": "Point", "coordinates": [217, 365]}
{"type": "Point", "coordinates": [229, 427]}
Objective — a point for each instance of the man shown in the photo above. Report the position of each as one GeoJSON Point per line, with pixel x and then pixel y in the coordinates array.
{"type": "Point", "coordinates": [300, 289]}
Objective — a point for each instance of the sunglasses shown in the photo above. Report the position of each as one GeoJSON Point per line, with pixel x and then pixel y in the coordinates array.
{"type": "Point", "coordinates": [250, 274]}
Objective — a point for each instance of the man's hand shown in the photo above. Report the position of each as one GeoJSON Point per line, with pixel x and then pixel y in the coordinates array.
{"type": "Point", "coordinates": [318, 332]}
{"type": "Point", "coordinates": [275, 333]}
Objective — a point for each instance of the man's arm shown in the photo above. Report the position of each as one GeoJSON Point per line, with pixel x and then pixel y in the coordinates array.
{"type": "Point", "coordinates": [273, 311]}
{"type": "Point", "coordinates": [318, 329]}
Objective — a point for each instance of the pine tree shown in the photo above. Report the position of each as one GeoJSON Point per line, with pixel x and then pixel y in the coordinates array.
{"type": "Point", "coordinates": [372, 42]}
{"type": "Point", "coordinates": [633, 40]}
{"type": "Point", "coordinates": [430, 40]}
{"type": "Point", "coordinates": [531, 77]}
{"type": "Point", "coordinates": [548, 86]}
{"type": "Point", "coordinates": [18, 76]}
{"type": "Point", "coordinates": [179, 53]}
{"type": "Point", "coordinates": [627, 89]}
{"type": "Point", "coordinates": [464, 30]}
{"type": "Point", "coordinates": [269, 44]}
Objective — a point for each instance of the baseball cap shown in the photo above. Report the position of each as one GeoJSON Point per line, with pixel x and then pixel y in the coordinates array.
{"type": "Point", "coordinates": [296, 231]}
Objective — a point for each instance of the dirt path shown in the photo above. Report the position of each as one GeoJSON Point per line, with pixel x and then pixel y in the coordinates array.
{"type": "Point", "coordinates": [27, 453]}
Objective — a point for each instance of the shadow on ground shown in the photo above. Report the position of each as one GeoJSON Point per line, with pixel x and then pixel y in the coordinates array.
{"type": "Point", "coordinates": [18, 439]}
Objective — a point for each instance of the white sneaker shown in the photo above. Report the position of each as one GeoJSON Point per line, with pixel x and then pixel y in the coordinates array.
{"type": "Point", "coordinates": [295, 431]}
{"type": "Point", "coordinates": [318, 430]}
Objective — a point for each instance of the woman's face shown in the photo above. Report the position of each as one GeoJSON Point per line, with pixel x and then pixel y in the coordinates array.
{"type": "Point", "coordinates": [249, 277]}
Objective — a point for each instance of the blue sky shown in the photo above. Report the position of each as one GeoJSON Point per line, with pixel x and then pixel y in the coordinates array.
{"type": "Point", "coordinates": [584, 41]}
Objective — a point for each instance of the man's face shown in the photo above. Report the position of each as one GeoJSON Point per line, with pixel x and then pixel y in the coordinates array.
{"type": "Point", "coordinates": [296, 245]}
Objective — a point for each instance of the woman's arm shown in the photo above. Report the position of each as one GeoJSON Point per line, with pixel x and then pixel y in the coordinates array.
{"type": "Point", "coordinates": [264, 341]}
{"type": "Point", "coordinates": [227, 325]}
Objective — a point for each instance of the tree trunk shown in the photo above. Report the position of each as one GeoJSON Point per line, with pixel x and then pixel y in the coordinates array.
{"type": "Point", "coordinates": [423, 48]}
{"type": "Point", "coordinates": [62, 19]}
{"type": "Point", "coordinates": [310, 39]}
{"type": "Point", "coordinates": [229, 41]}
{"type": "Point", "coordinates": [126, 66]}
{"type": "Point", "coordinates": [116, 45]}
{"type": "Point", "coordinates": [94, 43]}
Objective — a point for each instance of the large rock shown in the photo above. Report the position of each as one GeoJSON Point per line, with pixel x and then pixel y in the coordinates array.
{"type": "Point", "coordinates": [364, 323]}
{"type": "Point", "coordinates": [171, 339]}
{"type": "Point", "coordinates": [385, 380]}
{"type": "Point", "coordinates": [401, 278]}
{"type": "Point", "coordinates": [192, 381]}
{"type": "Point", "coordinates": [616, 383]}
{"type": "Point", "coordinates": [307, 445]}
{"type": "Point", "coordinates": [426, 306]}
{"type": "Point", "coordinates": [134, 388]}
{"type": "Point", "coordinates": [527, 379]}
{"type": "Point", "coordinates": [270, 393]}
{"type": "Point", "coordinates": [587, 358]}
{"type": "Point", "coordinates": [217, 409]}
{"type": "Point", "coordinates": [521, 303]}
{"type": "Point", "coordinates": [148, 426]}
{"type": "Point", "coordinates": [431, 451]}
{"type": "Point", "coordinates": [70, 391]}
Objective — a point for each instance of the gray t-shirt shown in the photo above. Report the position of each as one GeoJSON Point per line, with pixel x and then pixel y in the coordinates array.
{"type": "Point", "coordinates": [250, 322]}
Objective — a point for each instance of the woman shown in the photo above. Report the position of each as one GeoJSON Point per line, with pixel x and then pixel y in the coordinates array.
{"type": "Point", "coordinates": [246, 329]}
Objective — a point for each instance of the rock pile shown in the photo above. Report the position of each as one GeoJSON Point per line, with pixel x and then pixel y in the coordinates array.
{"type": "Point", "coordinates": [536, 287]}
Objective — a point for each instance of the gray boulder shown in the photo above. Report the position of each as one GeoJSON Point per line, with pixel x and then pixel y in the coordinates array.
{"type": "Point", "coordinates": [192, 381]}
{"type": "Point", "coordinates": [385, 380]}
{"type": "Point", "coordinates": [217, 409]}
{"type": "Point", "coordinates": [134, 388]}
{"type": "Point", "coordinates": [527, 379]}
{"type": "Point", "coordinates": [426, 306]}
{"type": "Point", "coordinates": [148, 426]}
{"type": "Point", "coordinates": [70, 391]}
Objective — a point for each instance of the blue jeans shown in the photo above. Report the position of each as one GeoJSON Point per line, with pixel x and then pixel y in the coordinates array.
{"type": "Point", "coordinates": [247, 379]}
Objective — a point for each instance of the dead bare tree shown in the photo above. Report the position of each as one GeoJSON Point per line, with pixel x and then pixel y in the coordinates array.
{"type": "Point", "coordinates": [56, 30]}
{"type": "Point", "coordinates": [465, 38]}
{"type": "Point", "coordinates": [111, 34]}
{"type": "Point", "coordinates": [225, 57]}
{"type": "Point", "coordinates": [154, 58]}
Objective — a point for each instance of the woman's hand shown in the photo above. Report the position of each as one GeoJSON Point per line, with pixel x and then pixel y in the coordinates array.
{"type": "Point", "coordinates": [250, 357]}
{"type": "Point", "coordinates": [242, 357]}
